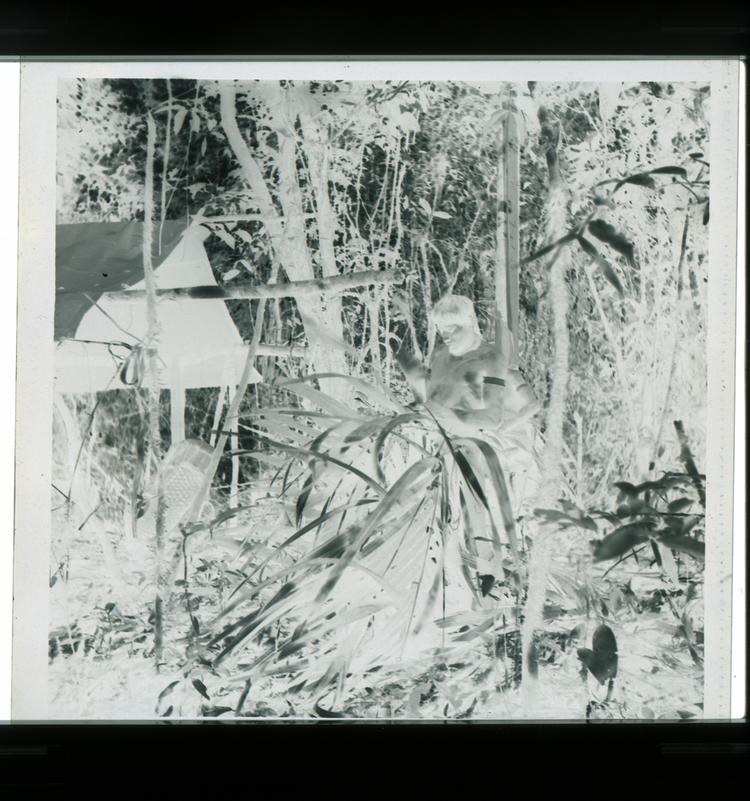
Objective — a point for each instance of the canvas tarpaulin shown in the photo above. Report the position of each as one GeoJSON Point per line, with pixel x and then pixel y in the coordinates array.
{"type": "Point", "coordinates": [99, 336]}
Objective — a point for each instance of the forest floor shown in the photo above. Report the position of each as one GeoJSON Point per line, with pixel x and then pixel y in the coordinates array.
{"type": "Point", "coordinates": [101, 663]}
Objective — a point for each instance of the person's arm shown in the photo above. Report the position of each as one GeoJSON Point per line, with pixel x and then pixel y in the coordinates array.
{"type": "Point", "coordinates": [493, 386]}
{"type": "Point", "coordinates": [525, 404]}
{"type": "Point", "coordinates": [413, 370]}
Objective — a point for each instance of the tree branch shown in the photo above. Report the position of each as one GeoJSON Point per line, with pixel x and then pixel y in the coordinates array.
{"type": "Point", "coordinates": [289, 289]}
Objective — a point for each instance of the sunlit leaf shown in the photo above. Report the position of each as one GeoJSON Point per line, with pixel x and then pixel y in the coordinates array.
{"type": "Point", "coordinates": [333, 406]}
{"type": "Point", "coordinates": [402, 494]}
{"type": "Point", "coordinates": [384, 433]}
{"type": "Point", "coordinates": [322, 456]}
{"type": "Point", "coordinates": [370, 391]}
{"type": "Point", "coordinates": [195, 188]}
{"type": "Point", "coordinates": [502, 494]}
{"type": "Point", "coordinates": [425, 206]}
{"type": "Point", "coordinates": [244, 236]}
{"type": "Point", "coordinates": [178, 119]}
{"type": "Point", "coordinates": [225, 236]}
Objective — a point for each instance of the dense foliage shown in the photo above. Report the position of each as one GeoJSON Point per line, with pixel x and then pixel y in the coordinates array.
{"type": "Point", "coordinates": [399, 176]}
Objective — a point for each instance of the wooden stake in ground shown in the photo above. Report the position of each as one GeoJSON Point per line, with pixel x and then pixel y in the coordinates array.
{"type": "Point", "coordinates": [152, 340]}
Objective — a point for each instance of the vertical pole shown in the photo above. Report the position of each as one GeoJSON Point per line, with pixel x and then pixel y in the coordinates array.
{"type": "Point", "coordinates": [176, 404]}
{"type": "Point", "coordinates": [152, 339]}
{"type": "Point", "coordinates": [507, 237]}
{"type": "Point", "coordinates": [512, 244]}
{"type": "Point", "coordinates": [501, 275]}
{"type": "Point", "coordinates": [234, 481]}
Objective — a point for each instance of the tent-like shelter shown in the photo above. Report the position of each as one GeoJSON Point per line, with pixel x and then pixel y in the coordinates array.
{"type": "Point", "coordinates": [100, 338]}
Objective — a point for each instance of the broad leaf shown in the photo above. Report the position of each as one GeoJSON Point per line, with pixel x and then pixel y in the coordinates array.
{"type": "Point", "coordinates": [681, 171]}
{"type": "Point", "coordinates": [683, 544]}
{"type": "Point", "coordinates": [608, 234]}
{"type": "Point", "coordinates": [640, 179]}
{"type": "Point", "coordinates": [601, 658]}
{"type": "Point", "coordinates": [425, 206]}
{"type": "Point", "coordinates": [620, 541]}
{"type": "Point", "coordinates": [179, 118]}
{"type": "Point", "coordinates": [607, 270]}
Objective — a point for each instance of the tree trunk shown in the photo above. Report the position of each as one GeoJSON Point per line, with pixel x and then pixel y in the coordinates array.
{"type": "Point", "coordinates": [540, 551]}
{"type": "Point", "coordinates": [287, 234]}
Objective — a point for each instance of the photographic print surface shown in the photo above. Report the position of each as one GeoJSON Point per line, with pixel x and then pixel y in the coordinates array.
{"type": "Point", "coordinates": [379, 399]}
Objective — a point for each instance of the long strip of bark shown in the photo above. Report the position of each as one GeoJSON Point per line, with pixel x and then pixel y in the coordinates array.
{"type": "Point", "coordinates": [290, 289]}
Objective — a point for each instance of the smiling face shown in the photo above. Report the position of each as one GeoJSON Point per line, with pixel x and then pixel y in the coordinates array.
{"type": "Point", "coordinates": [459, 338]}
{"type": "Point", "coordinates": [457, 324]}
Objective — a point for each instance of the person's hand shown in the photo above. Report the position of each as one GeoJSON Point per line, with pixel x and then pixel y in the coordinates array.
{"type": "Point", "coordinates": [451, 422]}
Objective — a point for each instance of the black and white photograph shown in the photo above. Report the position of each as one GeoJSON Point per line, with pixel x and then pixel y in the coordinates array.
{"type": "Point", "coordinates": [381, 398]}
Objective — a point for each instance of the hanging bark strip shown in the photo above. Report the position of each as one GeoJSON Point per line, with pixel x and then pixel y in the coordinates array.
{"type": "Point", "coordinates": [152, 339]}
{"type": "Point", "coordinates": [540, 552]}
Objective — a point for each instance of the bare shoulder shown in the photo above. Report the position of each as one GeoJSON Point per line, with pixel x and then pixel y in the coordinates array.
{"type": "Point", "coordinates": [490, 358]}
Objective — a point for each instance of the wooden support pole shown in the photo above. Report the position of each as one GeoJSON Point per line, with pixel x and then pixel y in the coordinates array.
{"type": "Point", "coordinates": [176, 405]}
{"type": "Point", "coordinates": [289, 289]}
{"type": "Point", "coordinates": [507, 238]}
{"type": "Point", "coordinates": [152, 339]}
{"type": "Point", "coordinates": [512, 201]}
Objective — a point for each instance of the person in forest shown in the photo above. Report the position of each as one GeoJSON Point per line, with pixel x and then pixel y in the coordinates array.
{"type": "Point", "coordinates": [470, 386]}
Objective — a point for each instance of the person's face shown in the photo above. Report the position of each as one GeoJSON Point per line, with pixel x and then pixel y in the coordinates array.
{"type": "Point", "coordinates": [459, 337]}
